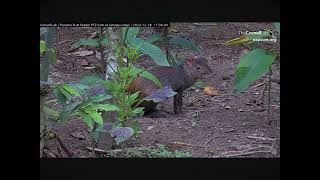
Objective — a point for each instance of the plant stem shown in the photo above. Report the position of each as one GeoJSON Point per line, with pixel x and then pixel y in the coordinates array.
{"type": "Point", "coordinates": [166, 41]}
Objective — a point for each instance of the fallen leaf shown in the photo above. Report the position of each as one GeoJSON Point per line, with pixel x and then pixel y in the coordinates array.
{"type": "Point", "coordinates": [211, 91]}
{"type": "Point", "coordinates": [227, 107]}
{"type": "Point", "coordinates": [78, 135]}
{"type": "Point", "coordinates": [89, 68]}
{"type": "Point", "coordinates": [149, 128]}
{"type": "Point", "coordinates": [240, 110]}
{"type": "Point", "coordinates": [84, 62]}
{"type": "Point", "coordinates": [83, 53]}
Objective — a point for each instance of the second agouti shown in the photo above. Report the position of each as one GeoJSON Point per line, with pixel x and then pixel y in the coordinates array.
{"type": "Point", "coordinates": [179, 78]}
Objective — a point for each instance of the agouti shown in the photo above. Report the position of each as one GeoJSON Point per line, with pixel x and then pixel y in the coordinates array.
{"type": "Point", "coordinates": [179, 78]}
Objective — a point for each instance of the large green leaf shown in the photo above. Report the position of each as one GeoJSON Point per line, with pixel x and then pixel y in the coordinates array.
{"type": "Point", "coordinates": [155, 37]}
{"type": "Point", "coordinates": [51, 112]}
{"type": "Point", "coordinates": [73, 91]}
{"type": "Point", "coordinates": [86, 42]}
{"type": "Point", "coordinates": [107, 107]}
{"type": "Point", "coordinates": [65, 93]}
{"type": "Point", "coordinates": [52, 56]}
{"type": "Point", "coordinates": [42, 47]}
{"type": "Point", "coordinates": [251, 67]}
{"type": "Point", "coordinates": [90, 80]}
{"type": "Point", "coordinates": [277, 26]}
{"type": "Point", "coordinates": [149, 49]}
{"type": "Point", "coordinates": [147, 75]}
{"type": "Point", "coordinates": [183, 43]}
{"type": "Point", "coordinates": [132, 33]}
{"type": "Point", "coordinates": [86, 118]}
{"type": "Point", "coordinates": [94, 115]}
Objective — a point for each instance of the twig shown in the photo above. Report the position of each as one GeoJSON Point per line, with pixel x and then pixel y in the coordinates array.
{"type": "Point", "coordinates": [258, 85]}
{"type": "Point", "coordinates": [49, 152]}
{"type": "Point", "coordinates": [276, 106]}
{"type": "Point", "coordinates": [241, 153]}
{"type": "Point", "coordinates": [64, 147]}
{"type": "Point", "coordinates": [96, 150]}
{"type": "Point", "coordinates": [210, 140]}
{"type": "Point", "coordinates": [231, 130]}
{"type": "Point", "coordinates": [64, 41]}
{"type": "Point", "coordinates": [85, 135]}
{"type": "Point", "coordinates": [262, 94]}
{"type": "Point", "coordinates": [261, 138]}
{"type": "Point", "coordinates": [42, 144]}
{"type": "Point", "coordinates": [186, 144]}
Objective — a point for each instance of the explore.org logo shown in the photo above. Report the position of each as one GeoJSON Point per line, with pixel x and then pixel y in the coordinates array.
{"type": "Point", "coordinates": [260, 36]}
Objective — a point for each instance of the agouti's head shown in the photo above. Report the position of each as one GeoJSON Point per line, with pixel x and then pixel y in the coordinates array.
{"type": "Point", "coordinates": [197, 67]}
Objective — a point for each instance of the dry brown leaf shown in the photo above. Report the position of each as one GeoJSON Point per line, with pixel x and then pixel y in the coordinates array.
{"type": "Point", "coordinates": [83, 53]}
{"type": "Point", "coordinates": [210, 91]}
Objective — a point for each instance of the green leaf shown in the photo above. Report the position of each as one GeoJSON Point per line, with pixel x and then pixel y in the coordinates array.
{"type": "Point", "coordinates": [172, 58]}
{"type": "Point", "coordinates": [51, 112]}
{"type": "Point", "coordinates": [133, 98]}
{"type": "Point", "coordinates": [90, 80]}
{"type": "Point", "coordinates": [60, 97]}
{"type": "Point", "coordinates": [251, 67]}
{"type": "Point", "coordinates": [94, 115]}
{"type": "Point", "coordinates": [73, 91]}
{"type": "Point", "coordinates": [155, 37]}
{"type": "Point", "coordinates": [147, 75]}
{"type": "Point", "coordinates": [101, 97]}
{"type": "Point", "coordinates": [108, 84]}
{"type": "Point", "coordinates": [135, 126]}
{"type": "Point", "coordinates": [86, 42]}
{"type": "Point", "coordinates": [132, 33]}
{"type": "Point", "coordinates": [277, 26]}
{"type": "Point", "coordinates": [86, 118]}
{"type": "Point", "coordinates": [184, 43]}
{"type": "Point", "coordinates": [151, 50]}
{"type": "Point", "coordinates": [65, 93]}
{"type": "Point", "coordinates": [42, 47]}
{"type": "Point", "coordinates": [105, 40]}
{"type": "Point", "coordinates": [52, 56]}
{"type": "Point", "coordinates": [138, 110]}
{"type": "Point", "coordinates": [107, 107]}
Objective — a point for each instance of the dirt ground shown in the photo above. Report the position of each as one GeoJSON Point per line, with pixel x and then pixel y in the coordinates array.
{"type": "Point", "coordinates": [226, 123]}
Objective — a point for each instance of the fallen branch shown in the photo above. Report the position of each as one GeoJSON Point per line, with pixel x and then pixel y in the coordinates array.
{"type": "Point", "coordinates": [242, 153]}
{"type": "Point", "coordinates": [63, 42]}
{"type": "Point", "coordinates": [210, 140]}
{"type": "Point", "coordinates": [261, 138]}
{"type": "Point", "coordinates": [258, 85]}
{"type": "Point", "coordinates": [64, 147]}
{"type": "Point", "coordinates": [276, 106]}
{"type": "Point", "coordinates": [96, 150]}
{"type": "Point", "coordinates": [186, 144]}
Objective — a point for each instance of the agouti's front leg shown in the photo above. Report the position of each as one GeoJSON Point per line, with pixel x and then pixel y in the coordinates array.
{"type": "Point", "coordinates": [177, 102]}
